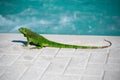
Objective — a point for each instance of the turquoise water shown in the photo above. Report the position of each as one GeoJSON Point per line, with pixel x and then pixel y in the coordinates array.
{"type": "Point", "coordinates": [74, 17]}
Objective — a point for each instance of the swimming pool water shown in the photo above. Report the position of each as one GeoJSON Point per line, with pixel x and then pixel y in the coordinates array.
{"type": "Point", "coordinates": [74, 17]}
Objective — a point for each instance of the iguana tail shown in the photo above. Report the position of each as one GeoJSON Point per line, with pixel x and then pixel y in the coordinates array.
{"type": "Point", "coordinates": [108, 45]}
{"type": "Point", "coordinates": [98, 47]}
{"type": "Point", "coordinates": [60, 45]}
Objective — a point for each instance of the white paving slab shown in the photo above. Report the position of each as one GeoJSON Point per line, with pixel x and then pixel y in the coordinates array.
{"type": "Point", "coordinates": [22, 63]}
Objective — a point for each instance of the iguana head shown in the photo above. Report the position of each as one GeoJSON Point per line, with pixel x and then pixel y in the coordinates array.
{"type": "Point", "coordinates": [24, 30]}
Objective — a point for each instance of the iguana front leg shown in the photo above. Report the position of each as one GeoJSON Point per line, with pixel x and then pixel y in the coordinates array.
{"type": "Point", "coordinates": [28, 42]}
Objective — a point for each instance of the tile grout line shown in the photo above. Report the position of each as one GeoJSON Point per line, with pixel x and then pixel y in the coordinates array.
{"type": "Point", "coordinates": [18, 57]}
{"type": "Point", "coordinates": [68, 63]}
{"type": "Point", "coordinates": [106, 60]}
{"type": "Point", "coordinates": [67, 66]}
{"type": "Point", "coordinates": [69, 59]}
{"type": "Point", "coordinates": [26, 70]}
{"type": "Point", "coordinates": [103, 75]}
{"type": "Point", "coordinates": [88, 60]}
{"type": "Point", "coordinates": [40, 78]}
{"type": "Point", "coordinates": [24, 73]}
{"type": "Point", "coordinates": [35, 58]}
{"type": "Point", "coordinates": [57, 53]}
{"type": "Point", "coordinates": [2, 74]}
{"type": "Point", "coordinates": [82, 75]}
{"type": "Point", "coordinates": [15, 60]}
{"type": "Point", "coordinates": [107, 57]}
{"type": "Point", "coordinates": [28, 67]}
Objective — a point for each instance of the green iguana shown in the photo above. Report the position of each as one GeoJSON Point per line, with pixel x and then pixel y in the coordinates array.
{"type": "Point", "coordinates": [40, 41]}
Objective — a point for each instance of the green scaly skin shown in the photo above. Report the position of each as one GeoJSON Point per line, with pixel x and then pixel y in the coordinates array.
{"type": "Point", "coordinates": [40, 41]}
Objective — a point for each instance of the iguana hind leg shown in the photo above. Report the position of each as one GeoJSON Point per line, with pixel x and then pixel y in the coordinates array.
{"type": "Point", "coordinates": [39, 47]}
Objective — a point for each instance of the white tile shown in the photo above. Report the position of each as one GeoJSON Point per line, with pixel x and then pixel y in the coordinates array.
{"type": "Point", "coordinates": [93, 72]}
{"type": "Point", "coordinates": [49, 51]}
{"type": "Point", "coordinates": [2, 70]}
{"type": "Point", "coordinates": [22, 63]}
{"type": "Point", "coordinates": [60, 77]}
{"type": "Point", "coordinates": [34, 73]}
{"type": "Point", "coordinates": [115, 42]}
{"type": "Point", "coordinates": [92, 50]}
{"type": "Point", "coordinates": [65, 52]}
{"type": "Point", "coordinates": [114, 53]}
{"type": "Point", "coordinates": [5, 45]}
{"type": "Point", "coordinates": [81, 53]}
{"type": "Point", "coordinates": [74, 71]}
{"type": "Point", "coordinates": [51, 77]}
{"type": "Point", "coordinates": [15, 49]}
{"type": "Point", "coordinates": [113, 61]}
{"type": "Point", "coordinates": [112, 67]}
{"type": "Point", "coordinates": [97, 58]}
{"type": "Point", "coordinates": [13, 73]}
{"type": "Point", "coordinates": [42, 62]}
{"type": "Point", "coordinates": [1, 53]}
{"type": "Point", "coordinates": [77, 65]}
{"type": "Point", "coordinates": [7, 60]}
{"type": "Point", "coordinates": [91, 78]}
{"type": "Point", "coordinates": [80, 63]}
{"type": "Point", "coordinates": [112, 75]}
{"type": "Point", "coordinates": [57, 65]}
{"type": "Point", "coordinates": [104, 50]}
{"type": "Point", "coordinates": [96, 66]}
{"type": "Point", "coordinates": [87, 51]}
{"type": "Point", "coordinates": [29, 55]}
